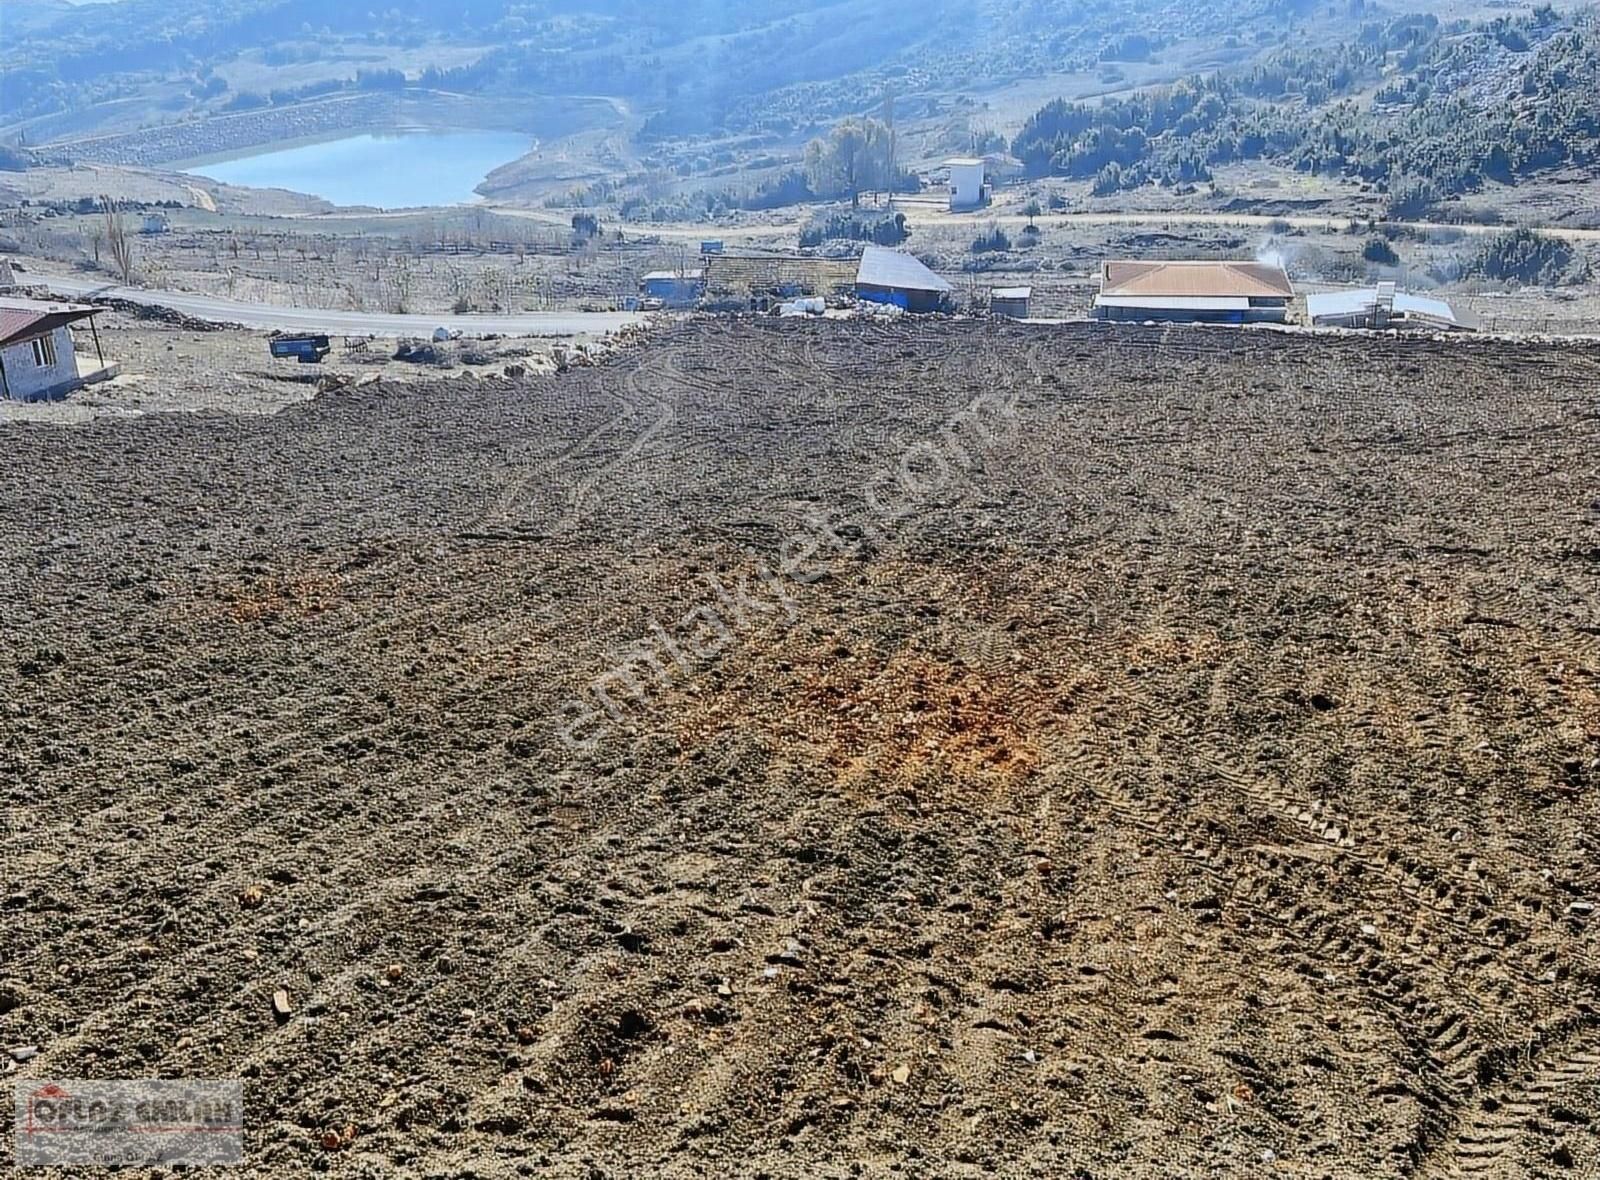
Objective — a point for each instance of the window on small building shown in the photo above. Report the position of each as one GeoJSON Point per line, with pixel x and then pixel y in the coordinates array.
{"type": "Point", "coordinates": [44, 352]}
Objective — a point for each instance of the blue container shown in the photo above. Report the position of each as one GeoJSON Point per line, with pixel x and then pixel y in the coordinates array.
{"type": "Point", "coordinates": [308, 350]}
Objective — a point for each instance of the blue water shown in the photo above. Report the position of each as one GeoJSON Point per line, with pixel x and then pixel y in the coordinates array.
{"type": "Point", "coordinates": [389, 171]}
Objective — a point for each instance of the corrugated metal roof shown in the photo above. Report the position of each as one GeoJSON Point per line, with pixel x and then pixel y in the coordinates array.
{"type": "Point", "coordinates": [1326, 305]}
{"type": "Point", "coordinates": [1437, 309]}
{"type": "Point", "coordinates": [1178, 302]}
{"type": "Point", "coordinates": [659, 276]}
{"type": "Point", "coordinates": [1338, 304]}
{"type": "Point", "coordinates": [1011, 293]}
{"type": "Point", "coordinates": [896, 270]}
{"type": "Point", "coordinates": [24, 319]}
{"type": "Point", "coordinates": [1261, 280]}
{"type": "Point", "coordinates": [965, 162]}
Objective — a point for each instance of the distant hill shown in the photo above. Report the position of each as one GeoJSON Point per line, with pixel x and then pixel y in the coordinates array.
{"type": "Point", "coordinates": [1426, 109]}
{"type": "Point", "coordinates": [696, 66]}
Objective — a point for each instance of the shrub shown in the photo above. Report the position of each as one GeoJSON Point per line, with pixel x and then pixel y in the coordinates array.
{"type": "Point", "coordinates": [880, 231]}
{"type": "Point", "coordinates": [991, 240]}
{"type": "Point", "coordinates": [787, 188]}
{"type": "Point", "coordinates": [1411, 198]}
{"type": "Point", "coordinates": [1525, 256]}
{"type": "Point", "coordinates": [1108, 180]}
{"type": "Point", "coordinates": [1378, 250]}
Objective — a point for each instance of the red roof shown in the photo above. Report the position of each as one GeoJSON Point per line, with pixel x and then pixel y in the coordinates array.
{"type": "Point", "coordinates": [1255, 279]}
{"type": "Point", "coordinates": [22, 320]}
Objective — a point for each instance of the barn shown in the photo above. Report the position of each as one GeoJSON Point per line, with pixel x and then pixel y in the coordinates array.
{"type": "Point", "coordinates": [38, 357]}
{"type": "Point", "coordinates": [1194, 292]}
{"type": "Point", "coordinates": [893, 276]}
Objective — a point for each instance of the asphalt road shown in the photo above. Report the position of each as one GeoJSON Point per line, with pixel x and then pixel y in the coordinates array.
{"type": "Point", "coordinates": [923, 211]}
{"type": "Point", "coordinates": [341, 323]}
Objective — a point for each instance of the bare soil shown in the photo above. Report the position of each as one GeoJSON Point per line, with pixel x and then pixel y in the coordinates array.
{"type": "Point", "coordinates": [170, 366]}
{"type": "Point", "coordinates": [1197, 778]}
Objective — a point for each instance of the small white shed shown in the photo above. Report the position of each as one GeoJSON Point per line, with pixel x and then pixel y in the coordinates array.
{"type": "Point", "coordinates": [1011, 302]}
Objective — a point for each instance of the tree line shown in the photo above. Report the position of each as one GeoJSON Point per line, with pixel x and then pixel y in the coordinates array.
{"type": "Point", "coordinates": [1428, 136]}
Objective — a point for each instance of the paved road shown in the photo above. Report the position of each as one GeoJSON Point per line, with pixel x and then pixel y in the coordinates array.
{"type": "Point", "coordinates": [1297, 221]}
{"type": "Point", "coordinates": [341, 323]}
{"type": "Point", "coordinates": [921, 211]}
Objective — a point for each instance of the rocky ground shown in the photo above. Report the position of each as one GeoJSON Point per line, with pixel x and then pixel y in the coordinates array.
{"type": "Point", "coordinates": [169, 363]}
{"type": "Point", "coordinates": [829, 749]}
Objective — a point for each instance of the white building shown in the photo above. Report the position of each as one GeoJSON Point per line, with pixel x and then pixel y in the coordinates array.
{"type": "Point", "coordinates": [1385, 307]}
{"type": "Point", "coordinates": [966, 182]}
{"type": "Point", "coordinates": [38, 360]}
{"type": "Point", "coordinates": [1193, 292]}
{"type": "Point", "coordinates": [1011, 302]}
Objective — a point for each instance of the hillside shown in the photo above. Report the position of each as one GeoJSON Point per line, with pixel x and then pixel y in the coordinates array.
{"type": "Point", "coordinates": [1426, 111]}
{"type": "Point", "coordinates": [702, 69]}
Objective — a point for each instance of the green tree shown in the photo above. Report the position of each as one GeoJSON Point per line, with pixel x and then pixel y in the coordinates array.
{"type": "Point", "coordinates": [1526, 256]}
{"type": "Point", "coordinates": [854, 157]}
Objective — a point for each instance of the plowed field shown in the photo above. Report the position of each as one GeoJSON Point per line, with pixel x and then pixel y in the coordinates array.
{"type": "Point", "coordinates": [825, 750]}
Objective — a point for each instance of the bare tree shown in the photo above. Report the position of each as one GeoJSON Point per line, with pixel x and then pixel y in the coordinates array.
{"type": "Point", "coordinates": [401, 283]}
{"type": "Point", "coordinates": [117, 240]}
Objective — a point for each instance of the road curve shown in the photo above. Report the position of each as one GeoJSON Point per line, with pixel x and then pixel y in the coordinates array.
{"type": "Point", "coordinates": [342, 323]}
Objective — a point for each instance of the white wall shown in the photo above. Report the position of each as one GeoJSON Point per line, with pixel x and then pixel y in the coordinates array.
{"type": "Point", "coordinates": [966, 185]}
{"type": "Point", "coordinates": [25, 379]}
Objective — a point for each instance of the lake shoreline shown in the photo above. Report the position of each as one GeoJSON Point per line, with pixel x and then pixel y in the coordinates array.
{"type": "Point", "coordinates": [353, 169]}
{"type": "Point", "coordinates": [193, 166]}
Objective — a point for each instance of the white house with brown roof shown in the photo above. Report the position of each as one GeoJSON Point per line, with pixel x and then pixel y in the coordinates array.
{"type": "Point", "coordinates": [38, 359]}
{"type": "Point", "coordinates": [1194, 292]}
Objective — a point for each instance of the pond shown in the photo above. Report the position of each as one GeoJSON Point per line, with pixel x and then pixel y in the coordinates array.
{"type": "Point", "coordinates": [390, 171]}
